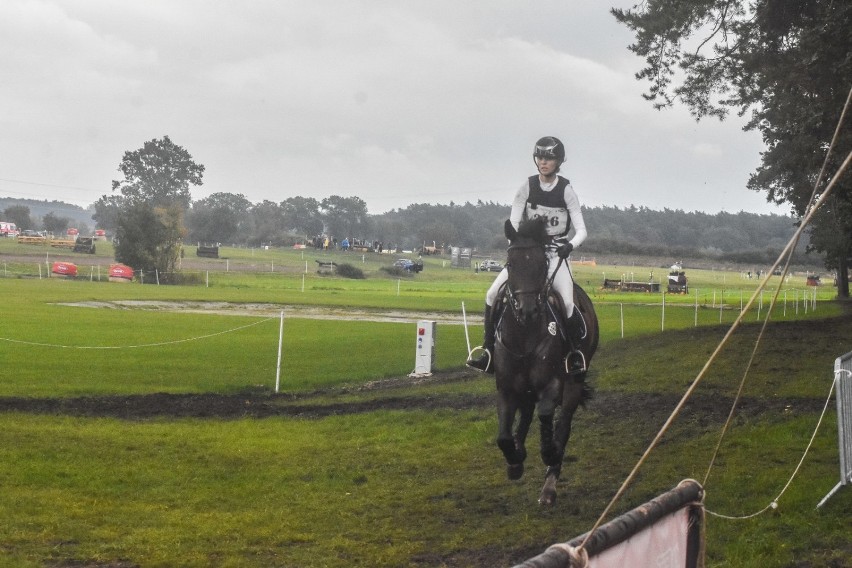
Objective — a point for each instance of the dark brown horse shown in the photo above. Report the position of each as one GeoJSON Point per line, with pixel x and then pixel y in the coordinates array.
{"type": "Point", "coordinates": [529, 358]}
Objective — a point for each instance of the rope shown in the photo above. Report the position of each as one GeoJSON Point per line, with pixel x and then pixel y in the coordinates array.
{"type": "Point", "coordinates": [158, 344]}
{"type": "Point", "coordinates": [774, 503]}
{"type": "Point", "coordinates": [577, 556]}
{"type": "Point", "coordinates": [777, 292]}
{"type": "Point", "coordinates": [632, 475]}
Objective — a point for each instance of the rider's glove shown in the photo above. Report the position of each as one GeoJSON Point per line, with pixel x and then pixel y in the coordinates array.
{"type": "Point", "coordinates": [565, 250]}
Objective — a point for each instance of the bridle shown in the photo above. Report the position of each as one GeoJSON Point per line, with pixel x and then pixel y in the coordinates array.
{"type": "Point", "coordinates": [540, 294]}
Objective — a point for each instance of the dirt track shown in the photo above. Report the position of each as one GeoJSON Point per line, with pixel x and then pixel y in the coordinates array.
{"type": "Point", "coordinates": [706, 409]}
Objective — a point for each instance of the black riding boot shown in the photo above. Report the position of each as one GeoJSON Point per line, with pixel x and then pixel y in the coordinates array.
{"type": "Point", "coordinates": [575, 361]}
{"type": "Point", "coordinates": [484, 361]}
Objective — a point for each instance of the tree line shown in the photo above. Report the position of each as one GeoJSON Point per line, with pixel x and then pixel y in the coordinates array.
{"type": "Point", "coordinates": [233, 219]}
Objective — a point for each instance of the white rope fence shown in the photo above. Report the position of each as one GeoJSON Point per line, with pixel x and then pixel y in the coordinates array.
{"type": "Point", "coordinates": [156, 344]}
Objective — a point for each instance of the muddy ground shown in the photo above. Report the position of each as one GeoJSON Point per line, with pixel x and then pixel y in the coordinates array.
{"type": "Point", "coordinates": [707, 409]}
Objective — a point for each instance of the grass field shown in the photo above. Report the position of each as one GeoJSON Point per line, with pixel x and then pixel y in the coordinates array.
{"type": "Point", "coordinates": [356, 464]}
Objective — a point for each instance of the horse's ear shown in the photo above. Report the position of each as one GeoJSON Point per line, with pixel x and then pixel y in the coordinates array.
{"type": "Point", "coordinates": [510, 231]}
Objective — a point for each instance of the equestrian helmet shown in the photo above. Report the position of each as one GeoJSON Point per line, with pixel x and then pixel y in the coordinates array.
{"type": "Point", "coordinates": [549, 148]}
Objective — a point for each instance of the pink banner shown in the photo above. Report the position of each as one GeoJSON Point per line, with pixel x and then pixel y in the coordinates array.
{"type": "Point", "coordinates": [662, 545]}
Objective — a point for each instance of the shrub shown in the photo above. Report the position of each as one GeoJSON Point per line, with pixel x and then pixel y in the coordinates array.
{"type": "Point", "coordinates": [396, 271]}
{"type": "Point", "coordinates": [349, 271]}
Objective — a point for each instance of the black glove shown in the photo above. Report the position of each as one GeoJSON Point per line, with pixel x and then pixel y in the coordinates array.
{"type": "Point", "coordinates": [565, 250]}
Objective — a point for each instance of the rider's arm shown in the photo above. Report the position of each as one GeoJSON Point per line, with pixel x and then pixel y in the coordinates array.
{"type": "Point", "coordinates": [577, 222]}
{"type": "Point", "coordinates": [519, 204]}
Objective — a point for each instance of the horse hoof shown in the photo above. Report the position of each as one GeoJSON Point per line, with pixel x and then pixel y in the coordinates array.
{"type": "Point", "coordinates": [515, 471]}
{"type": "Point", "coordinates": [547, 498]}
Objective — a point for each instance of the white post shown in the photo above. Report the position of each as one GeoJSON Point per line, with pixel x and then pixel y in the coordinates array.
{"type": "Point", "coordinates": [696, 308]}
{"type": "Point", "coordinates": [207, 278]}
{"type": "Point", "coordinates": [303, 282]}
{"type": "Point", "coordinates": [306, 267]}
{"type": "Point", "coordinates": [785, 302]}
{"type": "Point", "coordinates": [622, 321]}
{"type": "Point", "coordinates": [39, 271]}
{"type": "Point", "coordinates": [280, 340]}
{"type": "Point", "coordinates": [157, 275]}
{"type": "Point", "coordinates": [227, 265]}
{"type": "Point", "coordinates": [663, 320]}
{"type": "Point", "coordinates": [466, 335]}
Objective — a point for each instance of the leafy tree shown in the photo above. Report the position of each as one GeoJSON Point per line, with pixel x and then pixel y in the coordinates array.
{"type": "Point", "coordinates": [345, 216]}
{"type": "Point", "coordinates": [55, 224]}
{"type": "Point", "coordinates": [148, 238]}
{"type": "Point", "coordinates": [154, 197]}
{"type": "Point", "coordinates": [107, 211]}
{"type": "Point", "coordinates": [20, 216]}
{"type": "Point", "coordinates": [785, 61]}
{"type": "Point", "coordinates": [302, 214]}
{"type": "Point", "coordinates": [267, 223]}
{"type": "Point", "coordinates": [159, 174]}
{"type": "Point", "coordinates": [221, 217]}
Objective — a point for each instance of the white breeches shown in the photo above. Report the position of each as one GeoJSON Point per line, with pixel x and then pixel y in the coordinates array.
{"type": "Point", "coordinates": [562, 284]}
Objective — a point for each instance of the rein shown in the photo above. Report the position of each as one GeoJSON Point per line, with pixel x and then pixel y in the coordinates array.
{"type": "Point", "coordinates": [540, 295]}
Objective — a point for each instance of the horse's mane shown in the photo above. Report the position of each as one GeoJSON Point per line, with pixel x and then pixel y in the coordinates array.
{"type": "Point", "coordinates": [534, 229]}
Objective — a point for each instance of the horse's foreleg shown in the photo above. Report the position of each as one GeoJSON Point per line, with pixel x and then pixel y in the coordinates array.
{"type": "Point", "coordinates": [527, 409]}
{"type": "Point", "coordinates": [513, 450]}
{"type": "Point", "coordinates": [572, 396]}
{"type": "Point", "coordinates": [552, 458]}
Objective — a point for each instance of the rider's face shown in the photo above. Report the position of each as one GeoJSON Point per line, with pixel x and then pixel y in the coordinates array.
{"type": "Point", "coordinates": [546, 166]}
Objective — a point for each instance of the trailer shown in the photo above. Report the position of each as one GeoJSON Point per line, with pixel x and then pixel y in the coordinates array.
{"type": "Point", "coordinates": [678, 282]}
{"type": "Point", "coordinates": [207, 251]}
{"type": "Point", "coordinates": [621, 286]}
{"type": "Point", "coordinates": [85, 245]}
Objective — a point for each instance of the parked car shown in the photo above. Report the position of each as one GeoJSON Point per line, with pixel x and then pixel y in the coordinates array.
{"type": "Point", "coordinates": [490, 266]}
{"type": "Point", "coordinates": [409, 265]}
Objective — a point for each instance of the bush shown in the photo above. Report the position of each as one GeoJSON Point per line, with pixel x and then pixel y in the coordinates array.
{"type": "Point", "coordinates": [349, 271]}
{"type": "Point", "coordinates": [396, 271]}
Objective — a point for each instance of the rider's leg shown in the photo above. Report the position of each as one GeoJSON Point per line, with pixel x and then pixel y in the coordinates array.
{"type": "Point", "coordinates": [575, 361]}
{"type": "Point", "coordinates": [484, 361]}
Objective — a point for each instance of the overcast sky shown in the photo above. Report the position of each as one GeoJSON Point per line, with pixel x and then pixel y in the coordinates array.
{"type": "Point", "coordinates": [393, 101]}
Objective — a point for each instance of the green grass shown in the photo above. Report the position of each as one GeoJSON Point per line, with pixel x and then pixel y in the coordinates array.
{"type": "Point", "coordinates": [386, 487]}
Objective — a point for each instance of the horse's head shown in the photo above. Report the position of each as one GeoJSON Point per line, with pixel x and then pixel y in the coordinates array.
{"type": "Point", "coordinates": [526, 263]}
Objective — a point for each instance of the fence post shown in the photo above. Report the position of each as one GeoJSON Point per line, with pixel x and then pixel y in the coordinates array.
{"type": "Point", "coordinates": [696, 308]}
{"type": "Point", "coordinates": [280, 340]}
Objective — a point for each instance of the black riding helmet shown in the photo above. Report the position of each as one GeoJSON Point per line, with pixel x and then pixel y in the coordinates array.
{"type": "Point", "coordinates": [549, 147]}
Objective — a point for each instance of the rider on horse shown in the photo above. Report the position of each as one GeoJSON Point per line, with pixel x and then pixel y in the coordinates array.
{"type": "Point", "coordinates": [550, 196]}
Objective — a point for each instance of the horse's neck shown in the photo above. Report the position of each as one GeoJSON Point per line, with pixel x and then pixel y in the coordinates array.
{"type": "Point", "coordinates": [520, 338]}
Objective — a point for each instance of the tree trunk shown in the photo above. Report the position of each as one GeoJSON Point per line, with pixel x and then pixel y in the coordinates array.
{"type": "Point", "coordinates": [843, 276]}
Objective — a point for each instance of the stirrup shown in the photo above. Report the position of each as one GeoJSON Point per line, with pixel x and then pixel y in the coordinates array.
{"type": "Point", "coordinates": [470, 360]}
{"type": "Point", "coordinates": [582, 368]}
